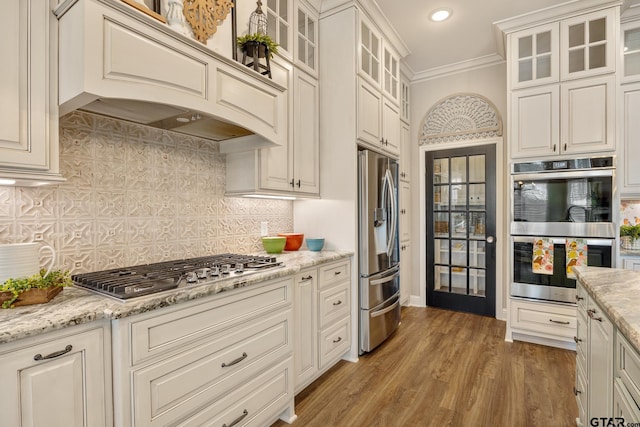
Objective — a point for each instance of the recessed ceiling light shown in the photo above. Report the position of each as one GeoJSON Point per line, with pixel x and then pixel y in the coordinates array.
{"type": "Point", "coordinates": [440, 15]}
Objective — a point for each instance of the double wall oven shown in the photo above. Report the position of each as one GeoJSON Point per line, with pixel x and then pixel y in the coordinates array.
{"type": "Point", "coordinates": [562, 216]}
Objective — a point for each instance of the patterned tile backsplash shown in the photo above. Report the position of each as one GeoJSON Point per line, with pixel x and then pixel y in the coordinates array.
{"type": "Point", "coordinates": [630, 212]}
{"type": "Point", "coordinates": [134, 195]}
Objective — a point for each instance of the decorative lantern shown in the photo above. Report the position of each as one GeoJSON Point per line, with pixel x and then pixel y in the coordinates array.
{"type": "Point", "coordinates": [258, 21]}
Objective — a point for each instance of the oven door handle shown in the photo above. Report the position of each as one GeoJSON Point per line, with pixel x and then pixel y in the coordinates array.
{"type": "Point", "coordinates": [562, 241]}
{"type": "Point", "coordinates": [543, 176]}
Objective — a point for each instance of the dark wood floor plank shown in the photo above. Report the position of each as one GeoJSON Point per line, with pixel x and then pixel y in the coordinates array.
{"type": "Point", "coordinates": [443, 368]}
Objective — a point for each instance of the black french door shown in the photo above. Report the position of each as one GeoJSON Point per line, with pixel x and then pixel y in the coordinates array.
{"type": "Point", "coordinates": [461, 229]}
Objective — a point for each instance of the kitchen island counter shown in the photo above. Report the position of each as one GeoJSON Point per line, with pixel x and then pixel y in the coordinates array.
{"type": "Point", "coordinates": [76, 306]}
{"type": "Point", "coordinates": [617, 292]}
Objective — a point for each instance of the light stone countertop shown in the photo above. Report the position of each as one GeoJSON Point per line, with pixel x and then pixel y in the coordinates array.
{"type": "Point", "coordinates": [74, 306]}
{"type": "Point", "coordinates": [617, 292]}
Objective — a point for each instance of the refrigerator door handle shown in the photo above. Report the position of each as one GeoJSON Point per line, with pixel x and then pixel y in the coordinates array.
{"type": "Point", "coordinates": [384, 279]}
{"type": "Point", "coordinates": [385, 310]}
{"type": "Point", "coordinates": [393, 220]}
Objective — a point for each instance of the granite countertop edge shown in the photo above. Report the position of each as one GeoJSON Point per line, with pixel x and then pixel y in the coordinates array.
{"type": "Point", "coordinates": [616, 291]}
{"type": "Point", "coordinates": [75, 306]}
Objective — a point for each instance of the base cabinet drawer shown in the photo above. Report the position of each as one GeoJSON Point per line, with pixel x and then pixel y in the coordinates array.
{"type": "Point", "coordinates": [256, 402]}
{"type": "Point", "coordinates": [581, 395]}
{"type": "Point", "coordinates": [628, 367]}
{"type": "Point", "coordinates": [546, 318]}
{"type": "Point", "coordinates": [199, 376]}
{"type": "Point", "coordinates": [624, 405]}
{"type": "Point", "coordinates": [333, 304]}
{"type": "Point", "coordinates": [333, 273]}
{"type": "Point", "coordinates": [334, 342]}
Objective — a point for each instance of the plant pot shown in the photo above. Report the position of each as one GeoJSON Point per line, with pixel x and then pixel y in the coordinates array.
{"type": "Point", "coordinates": [629, 243]}
{"type": "Point", "coordinates": [250, 48]}
{"type": "Point", "coordinates": [31, 296]}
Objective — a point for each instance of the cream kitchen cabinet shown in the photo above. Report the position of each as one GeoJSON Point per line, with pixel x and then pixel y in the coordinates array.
{"type": "Point", "coordinates": [630, 40]}
{"type": "Point", "coordinates": [631, 263]}
{"type": "Point", "coordinates": [378, 120]}
{"type": "Point", "coordinates": [576, 117]}
{"type": "Point", "coordinates": [629, 176]}
{"type": "Point", "coordinates": [405, 211]}
{"type": "Point", "coordinates": [322, 320]}
{"type": "Point", "coordinates": [595, 380]}
{"type": "Point", "coordinates": [562, 84]}
{"type": "Point", "coordinates": [293, 169]}
{"type": "Point", "coordinates": [390, 73]}
{"type": "Point", "coordinates": [369, 48]}
{"type": "Point", "coordinates": [405, 153]}
{"type": "Point", "coordinates": [305, 321]}
{"type": "Point", "coordinates": [59, 379]}
{"type": "Point", "coordinates": [215, 359]}
{"type": "Point", "coordinates": [405, 100]}
{"type": "Point", "coordinates": [405, 272]}
{"type": "Point", "coordinates": [29, 153]}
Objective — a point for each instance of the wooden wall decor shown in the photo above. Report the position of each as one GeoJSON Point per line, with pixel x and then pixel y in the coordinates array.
{"type": "Point", "coordinates": [204, 16]}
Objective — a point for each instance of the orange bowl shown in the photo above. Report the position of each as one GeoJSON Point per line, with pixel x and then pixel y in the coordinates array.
{"type": "Point", "coordinates": [294, 241]}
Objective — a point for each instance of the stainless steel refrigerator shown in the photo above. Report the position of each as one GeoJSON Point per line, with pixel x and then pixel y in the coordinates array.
{"type": "Point", "coordinates": [378, 248]}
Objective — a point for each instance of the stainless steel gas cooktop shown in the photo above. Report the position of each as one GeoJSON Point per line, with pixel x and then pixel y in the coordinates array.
{"type": "Point", "coordinates": [130, 282]}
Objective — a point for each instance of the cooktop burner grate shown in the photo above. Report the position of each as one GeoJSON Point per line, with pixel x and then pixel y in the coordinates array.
{"type": "Point", "coordinates": [130, 282]}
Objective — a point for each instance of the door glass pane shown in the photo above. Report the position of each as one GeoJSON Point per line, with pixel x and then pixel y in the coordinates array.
{"type": "Point", "coordinates": [375, 66]}
{"type": "Point", "coordinates": [284, 10]}
{"type": "Point", "coordinates": [458, 169]}
{"type": "Point", "coordinates": [271, 4]}
{"type": "Point", "coordinates": [311, 28]}
{"type": "Point", "coordinates": [632, 40]}
{"type": "Point", "coordinates": [525, 47]}
{"type": "Point", "coordinates": [459, 280]}
{"type": "Point", "coordinates": [543, 42]}
{"type": "Point", "coordinates": [441, 224]}
{"type": "Point", "coordinates": [632, 64]}
{"type": "Point", "coordinates": [476, 196]}
{"type": "Point", "coordinates": [458, 196]}
{"type": "Point", "coordinates": [311, 57]}
{"type": "Point", "coordinates": [478, 282]}
{"type": "Point", "coordinates": [478, 225]}
{"type": "Point", "coordinates": [576, 60]}
{"type": "Point", "coordinates": [476, 168]}
{"type": "Point", "coordinates": [459, 224]}
{"type": "Point", "coordinates": [597, 56]}
{"type": "Point", "coordinates": [576, 35]}
{"type": "Point", "coordinates": [441, 197]}
{"type": "Point", "coordinates": [525, 70]}
{"type": "Point", "coordinates": [441, 171]}
{"type": "Point", "coordinates": [364, 36]}
{"type": "Point", "coordinates": [284, 39]}
{"type": "Point", "coordinates": [301, 23]}
{"type": "Point", "coordinates": [543, 67]}
{"type": "Point", "coordinates": [364, 60]}
{"type": "Point", "coordinates": [441, 278]}
{"type": "Point", "coordinates": [459, 252]}
{"type": "Point", "coordinates": [441, 255]}
{"type": "Point", "coordinates": [271, 26]}
{"type": "Point", "coordinates": [597, 30]}
{"type": "Point", "coordinates": [477, 254]}
{"type": "Point", "coordinates": [374, 47]}
{"type": "Point", "coordinates": [301, 49]}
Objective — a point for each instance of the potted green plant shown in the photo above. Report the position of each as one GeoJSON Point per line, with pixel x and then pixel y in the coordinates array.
{"type": "Point", "coordinates": [249, 42]}
{"type": "Point", "coordinates": [630, 236]}
{"type": "Point", "coordinates": [37, 289]}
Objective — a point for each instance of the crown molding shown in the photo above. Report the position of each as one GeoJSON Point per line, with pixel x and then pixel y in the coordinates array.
{"type": "Point", "coordinates": [457, 68]}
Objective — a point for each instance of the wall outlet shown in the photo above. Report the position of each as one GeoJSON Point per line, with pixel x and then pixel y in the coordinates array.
{"type": "Point", "coordinates": [264, 228]}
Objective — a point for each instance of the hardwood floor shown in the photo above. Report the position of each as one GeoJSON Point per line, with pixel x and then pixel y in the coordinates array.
{"type": "Point", "coordinates": [444, 368]}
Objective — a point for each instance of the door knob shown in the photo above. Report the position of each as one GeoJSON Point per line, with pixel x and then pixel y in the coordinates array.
{"type": "Point", "coordinates": [490, 239]}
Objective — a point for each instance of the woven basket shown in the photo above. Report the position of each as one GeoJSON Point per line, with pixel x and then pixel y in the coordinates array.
{"type": "Point", "coordinates": [628, 243]}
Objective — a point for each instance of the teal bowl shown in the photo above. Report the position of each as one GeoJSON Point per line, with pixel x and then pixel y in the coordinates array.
{"type": "Point", "coordinates": [315, 244]}
{"type": "Point", "coordinates": [274, 245]}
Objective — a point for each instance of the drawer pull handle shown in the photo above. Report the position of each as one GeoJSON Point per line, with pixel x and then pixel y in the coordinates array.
{"type": "Point", "coordinates": [576, 339]}
{"type": "Point", "coordinates": [237, 420]}
{"type": "Point", "coordinates": [337, 303]}
{"type": "Point", "coordinates": [233, 362]}
{"type": "Point", "coordinates": [338, 340]}
{"type": "Point", "coordinates": [592, 313]}
{"type": "Point", "coordinates": [337, 272]}
{"type": "Point", "coordinates": [559, 322]}
{"type": "Point", "coordinates": [576, 391]}
{"type": "Point", "coordinates": [578, 298]}
{"type": "Point", "coordinates": [58, 353]}
{"type": "Point", "coordinates": [307, 278]}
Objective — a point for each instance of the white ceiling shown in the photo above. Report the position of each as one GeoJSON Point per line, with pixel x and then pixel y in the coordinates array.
{"type": "Point", "coordinates": [466, 35]}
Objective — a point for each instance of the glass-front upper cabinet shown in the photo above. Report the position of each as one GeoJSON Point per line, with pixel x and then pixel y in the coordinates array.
{"type": "Point", "coordinates": [279, 24]}
{"type": "Point", "coordinates": [370, 47]}
{"type": "Point", "coordinates": [307, 36]}
{"type": "Point", "coordinates": [534, 56]}
{"type": "Point", "coordinates": [631, 51]}
{"type": "Point", "coordinates": [405, 111]}
{"type": "Point", "coordinates": [588, 44]}
{"type": "Point", "coordinates": [391, 72]}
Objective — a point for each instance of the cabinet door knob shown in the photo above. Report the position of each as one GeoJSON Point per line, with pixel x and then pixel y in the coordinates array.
{"type": "Point", "coordinates": [338, 340]}
{"type": "Point", "coordinates": [576, 391]}
{"type": "Point", "coordinates": [554, 148]}
{"type": "Point", "coordinates": [578, 298]}
{"type": "Point", "coordinates": [298, 183]}
{"type": "Point", "coordinates": [291, 183]}
{"type": "Point", "coordinates": [565, 147]}
{"type": "Point", "coordinates": [576, 339]}
{"type": "Point", "coordinates": [337, 302]}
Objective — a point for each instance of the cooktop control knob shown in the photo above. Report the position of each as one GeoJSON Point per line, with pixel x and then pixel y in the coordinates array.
{"type": "Point", "coordinates": [192, 277]}
{"type": "Point", "coordinates": [225, 269]}
{"type": "Point", "coordinates": [239, 268]}
{"type": "Point", "coordinates": [202, 273]}
{"type": "Point", "coordinates": [215, 271]}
